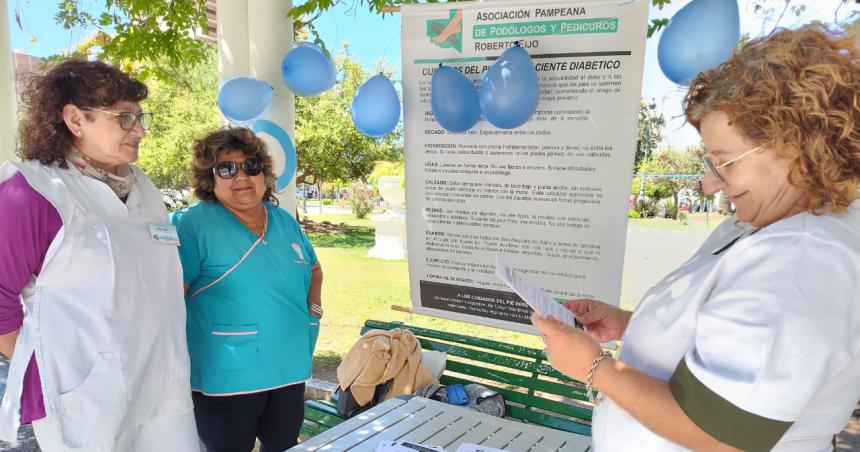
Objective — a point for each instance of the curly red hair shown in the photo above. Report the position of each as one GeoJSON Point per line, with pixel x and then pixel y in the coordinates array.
{"type": "Point", "coordinates": [796, 92]}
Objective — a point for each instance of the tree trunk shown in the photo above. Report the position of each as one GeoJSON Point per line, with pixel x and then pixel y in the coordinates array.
{"type": "Point", "coordinates": [675, 200]}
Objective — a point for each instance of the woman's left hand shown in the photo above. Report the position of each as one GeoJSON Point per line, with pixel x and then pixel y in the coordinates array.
{"type": "Point", "coordinates": [569, 350]}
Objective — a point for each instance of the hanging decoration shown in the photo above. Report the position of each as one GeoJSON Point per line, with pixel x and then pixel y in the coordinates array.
{"type": "Point", "coordinates": [376, 107]}
{"type": "Point", "coordinates": [307, 71]}
{"type": "Point", "coordinates": [244, 99]}
{"type": "Point", "coordinates": [454, 100]}
{"type": "Point", "coordinates": [264, 126]}
{"type": "Point", "coordinates": [701, 36]}
{"type": "Point", "coordinates": [510, 89]}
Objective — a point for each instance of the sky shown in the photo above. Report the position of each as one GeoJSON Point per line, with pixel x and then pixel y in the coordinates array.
{"type": "Point", "coordinates": [372, 37]}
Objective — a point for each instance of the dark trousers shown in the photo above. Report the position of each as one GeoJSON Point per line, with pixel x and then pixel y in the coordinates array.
{"type": "Point", "coordinates": [233, 423]}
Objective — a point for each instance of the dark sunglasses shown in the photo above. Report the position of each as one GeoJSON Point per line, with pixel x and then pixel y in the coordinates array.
{"type": "Point", "coordinates": [229, 170]}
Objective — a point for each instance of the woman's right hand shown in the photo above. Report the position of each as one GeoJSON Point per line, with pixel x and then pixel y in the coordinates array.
{"type": "Point", "coordinates": [605, 322]}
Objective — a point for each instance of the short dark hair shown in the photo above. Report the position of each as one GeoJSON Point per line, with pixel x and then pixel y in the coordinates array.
{"type": "Point", "coordinates": [207, 150]}
{"type": "Point", "coordinates": [43, 133]}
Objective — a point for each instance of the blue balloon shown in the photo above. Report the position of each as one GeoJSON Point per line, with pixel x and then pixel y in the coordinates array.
{"type": "Point", "coordinates": [376, 107]}
{"type": "Point", "coordinates": [454, 100]}
{"type": "Point", "coordinates": [307, 71]}
{"type": "Point", "coordinates": [510, 89]}
{"type": "Point", "coordinates": [244, 99]}
{"type": "Point", "coordinates": [269, 127]}
{"type": "Point", "coordinates": [701, 36]}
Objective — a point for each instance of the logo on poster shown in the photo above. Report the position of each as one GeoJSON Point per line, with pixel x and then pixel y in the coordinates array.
{"type": "Point", "coordinates": [447, 33]}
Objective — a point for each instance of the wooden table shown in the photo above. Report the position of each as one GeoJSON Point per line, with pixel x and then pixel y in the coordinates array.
{"type": "Point", "coordinates": [425, 421]}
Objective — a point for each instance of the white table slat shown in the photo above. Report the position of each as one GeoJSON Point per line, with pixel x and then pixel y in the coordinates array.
{"type": "Point", "coordinates": [475, 435]}
{"type": "Point", "coordinates": [430, 428]}
{"type": "Point", "coordinates": [501, 438]}
{"type": "Point", "coordinates": [575, 446]}
{"type": "Point", "coordinates": [526, 441]}
{"type": "Point", "coordinates": [453, 432]}
{"type": "Point", "coordinates": [346, 428]}
{"type": "Point", "coordinates": [434, 423]}
{"type": "Point", "coordinates": [549, 443]}
{"type": "Point", "coordinates": [410, 421]}
{"type": "Point", "coordinates": [369, 434]}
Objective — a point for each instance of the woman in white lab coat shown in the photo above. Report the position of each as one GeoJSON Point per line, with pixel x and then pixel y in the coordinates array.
{"type": "Point", "coordinates": [99, 360]}
{"type": "Point", "coordinates": [754, 343]}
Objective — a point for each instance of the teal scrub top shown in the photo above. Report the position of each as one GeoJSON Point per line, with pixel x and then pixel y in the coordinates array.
{"type": "Point", "coordinates": [251, 331]}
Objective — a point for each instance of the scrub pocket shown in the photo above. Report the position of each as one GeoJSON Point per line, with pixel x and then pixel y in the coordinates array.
{"type": "Point", "coordinates": [91, 414]}
{"type": "Point", "coordinates": [234, 347]}
{"type": "Point", "coordinates": [314, 332]}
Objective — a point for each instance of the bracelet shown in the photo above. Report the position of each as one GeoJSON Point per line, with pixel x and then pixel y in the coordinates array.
{"type": "Point", "coordinates": [316, 309]}
{"type": "Point", "coordinates": [594, 396]}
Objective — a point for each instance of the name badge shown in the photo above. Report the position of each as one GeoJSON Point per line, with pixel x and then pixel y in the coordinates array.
{"type": "Point", "coordinates": [164, 233]}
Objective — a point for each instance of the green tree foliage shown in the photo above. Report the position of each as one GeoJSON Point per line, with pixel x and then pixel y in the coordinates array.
{"type": "Point", "coordinates": [651, 124]}
{"type": "Point", "coordinates": [328, 146]}
{"type": "Point", "coordinates": [672, 163]}
{"type": "Point", "coordinates": [184, 109]}
{"type": "Point", "coordinates": [385, 168]}
{"type": "Point", "coordinates": [154, 33]}
{"type": "Point", "coordinates": [145, 31]}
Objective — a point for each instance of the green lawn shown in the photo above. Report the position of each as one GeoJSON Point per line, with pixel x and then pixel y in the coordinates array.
{"type": "Point", "coordinates": [696, 221]}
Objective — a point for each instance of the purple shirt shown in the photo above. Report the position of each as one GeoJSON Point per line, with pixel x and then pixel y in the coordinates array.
{"type": "Point", "coordinates": [28, 225]}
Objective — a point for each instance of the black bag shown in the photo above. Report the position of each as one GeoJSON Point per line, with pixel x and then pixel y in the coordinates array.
{"type": "Point", "coordinates": [348, 407]}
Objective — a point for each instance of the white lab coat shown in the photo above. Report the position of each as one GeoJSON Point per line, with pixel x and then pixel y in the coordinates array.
{"type": "Point", "coordinates": [771, 324]}
{"type": "Point", "coordinates": [105, 319]}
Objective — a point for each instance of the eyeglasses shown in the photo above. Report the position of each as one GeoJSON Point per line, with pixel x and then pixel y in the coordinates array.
{"type": "Point", "coordinates": [714, 168]}
{"type": "Point", "coordinates": [127, 119]}
{"type": "Point", "coordinates": [229, 170]}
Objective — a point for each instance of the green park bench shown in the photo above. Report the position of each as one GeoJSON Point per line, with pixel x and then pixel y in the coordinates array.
{"type": "Point", "coordinates": [534, 391]}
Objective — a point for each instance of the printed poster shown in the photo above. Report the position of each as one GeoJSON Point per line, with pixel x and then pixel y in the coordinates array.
{"type": "Point", "coordinates": [550, 196]}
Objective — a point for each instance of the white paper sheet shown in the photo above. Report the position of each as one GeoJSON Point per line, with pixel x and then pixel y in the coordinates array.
{"type": "Point", "coordinates": [539, 300]}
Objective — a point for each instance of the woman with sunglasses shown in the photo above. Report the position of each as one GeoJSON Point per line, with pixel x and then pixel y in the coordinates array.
{"type": "Point", "coordinates": [754, 343]}
{"type": "Point", "coordinates": [99, 359]}
{"type": "Point", "coordinates": [253, 298]}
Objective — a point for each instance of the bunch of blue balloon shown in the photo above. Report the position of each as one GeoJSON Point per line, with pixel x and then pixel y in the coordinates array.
{"type": "Point", "coordinates": [509, 94]}
{"type": "Point", "coordinates": [305, 70]}
{"type": "Point", "coordinates": [701, 36]}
